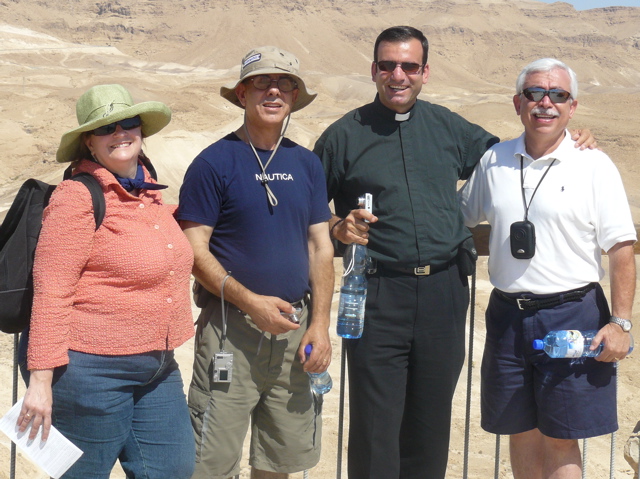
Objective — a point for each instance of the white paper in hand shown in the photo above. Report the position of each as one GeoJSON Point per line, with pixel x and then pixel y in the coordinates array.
{"type": "Point", "coordinates": [54, 456]}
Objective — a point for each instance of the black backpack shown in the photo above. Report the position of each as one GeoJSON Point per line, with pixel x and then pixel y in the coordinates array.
{"type": "Point", "coordinates": [18, 239]}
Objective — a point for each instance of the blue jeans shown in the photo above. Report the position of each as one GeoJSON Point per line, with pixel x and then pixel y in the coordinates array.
{"type": "Point", "coordinates": [130, 408]}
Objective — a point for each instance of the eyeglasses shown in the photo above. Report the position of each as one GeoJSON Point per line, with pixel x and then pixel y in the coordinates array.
{"type": "Point", "coordinates": [264, 82]}
{"type": "Point", "coordinates": [556, 95]}
{"type": "Point", "coordinates": [126, 124]}
{"type": "Point", "coordinates": [407, 67]}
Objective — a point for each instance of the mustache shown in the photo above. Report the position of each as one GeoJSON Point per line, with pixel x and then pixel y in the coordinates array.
{"type": "Point", "coordinates": [545, 112]}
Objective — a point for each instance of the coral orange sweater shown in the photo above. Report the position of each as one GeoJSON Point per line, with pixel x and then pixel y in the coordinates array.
{"type": "Point", "coordinates": [123, 289]}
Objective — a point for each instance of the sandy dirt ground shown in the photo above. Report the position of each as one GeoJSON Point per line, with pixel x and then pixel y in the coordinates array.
{"type": "Point", "coordinates": [481, 452]}
{"type": "Point", "coordinates": [48, 58]}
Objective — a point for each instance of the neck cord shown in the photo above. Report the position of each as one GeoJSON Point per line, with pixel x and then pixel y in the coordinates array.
{"type": "Point", "coordinates": [224, 312]}
{"type": "Point", "coordinates": [524, 200]}
{"type": "Point", "coordinates": [273, 201]}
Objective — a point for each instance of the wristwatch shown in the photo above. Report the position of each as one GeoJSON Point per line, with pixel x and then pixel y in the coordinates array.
{"type": "Point", "coordinates": [625, 324]}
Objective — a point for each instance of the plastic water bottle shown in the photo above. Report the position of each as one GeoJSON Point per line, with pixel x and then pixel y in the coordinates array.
{"type": "Point", "coordinates": [353, 292]}
{"type": "Point", "coordinates": [321, 383]}
{"type": "Point", "coordinates": [570, 344]}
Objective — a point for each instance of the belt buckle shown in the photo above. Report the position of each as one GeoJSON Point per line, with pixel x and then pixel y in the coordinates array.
{"type": "Point", "coordinates": [300, 304]}
{"type": "Point", "coordinates": [518, 300]}
{"type": "Point", "coordinates": [422, 270]}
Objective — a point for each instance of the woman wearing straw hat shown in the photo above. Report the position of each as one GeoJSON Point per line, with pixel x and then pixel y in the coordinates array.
{"type": "Point", "coordinates": [111, 304]}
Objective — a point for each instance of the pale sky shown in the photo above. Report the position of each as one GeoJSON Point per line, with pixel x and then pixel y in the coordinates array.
{"type": "Point", "coordinates": [586, 4]}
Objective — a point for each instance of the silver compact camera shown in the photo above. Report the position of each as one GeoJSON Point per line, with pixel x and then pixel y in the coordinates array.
{"type": "Point", "coordinates": [293, 317]}
{"type": "Point", "coordinates": [222, 367]}
{"type": "Point", "coordinates": [366, 202]}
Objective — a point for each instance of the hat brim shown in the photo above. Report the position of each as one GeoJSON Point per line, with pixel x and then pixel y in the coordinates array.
{"type": "Point", "coordinates": [305, 95]}
{"type": "Point", "coordinates": [154, 115]}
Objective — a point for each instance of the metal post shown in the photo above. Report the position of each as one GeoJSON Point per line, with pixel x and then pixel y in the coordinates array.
{"type": "Point", "coordinates": [14, 399]}
{"type": "Point", "coordinates": [467, 421]}
{"type": "Point", "coordinates": [496, 471]}
{"type": "Point", "coordinates": [584, 458]}
{"type": "Point", "coordinates": [343, 360]}
{"type": "Point", "coordinates": [612, 464]}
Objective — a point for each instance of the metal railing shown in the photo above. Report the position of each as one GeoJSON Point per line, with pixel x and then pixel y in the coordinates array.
{"type": "Point", "coordinates": [481, 235]}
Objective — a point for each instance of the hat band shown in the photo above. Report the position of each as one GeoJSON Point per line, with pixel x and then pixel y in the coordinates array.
{"type": "Point", "coordinates": [108, 111]}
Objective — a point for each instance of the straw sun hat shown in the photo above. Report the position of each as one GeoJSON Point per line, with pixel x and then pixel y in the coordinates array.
{"type": "Point", "coordinates": [105, 104]}
{"type": "Point", "coordinates": [267, 61]}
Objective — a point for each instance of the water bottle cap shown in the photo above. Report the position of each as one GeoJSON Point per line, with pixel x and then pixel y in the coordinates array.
{"type": "Point", "coordinates": [538, 344]}
{"type": "Point", "coordinates": [307, 349]}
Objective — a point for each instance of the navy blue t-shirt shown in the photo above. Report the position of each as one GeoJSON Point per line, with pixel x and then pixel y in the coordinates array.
{"type": "Point", "coordinates": [265, 247]}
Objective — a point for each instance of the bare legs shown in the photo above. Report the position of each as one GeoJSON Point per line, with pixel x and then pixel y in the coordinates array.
{"type": "Point", "coordinates": [536, 456]}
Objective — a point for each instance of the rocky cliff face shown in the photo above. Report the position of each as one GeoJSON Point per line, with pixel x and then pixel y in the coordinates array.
{"type": "Point", "coordinates": [181, 52]}
{"type": "Point", "coordinates": [339, 34]}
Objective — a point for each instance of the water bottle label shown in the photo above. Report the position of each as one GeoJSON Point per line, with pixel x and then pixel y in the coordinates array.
{"type": "Point", "coordinates": [575, 344]}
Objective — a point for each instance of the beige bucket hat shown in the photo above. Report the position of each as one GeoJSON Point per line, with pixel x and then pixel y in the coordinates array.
{"type": "Point", "coordinates": [265, 61]}
{"type": "Point", "coordinates": [105, 104]}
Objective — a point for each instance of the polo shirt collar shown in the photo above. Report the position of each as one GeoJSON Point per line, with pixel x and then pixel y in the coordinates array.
{"type": "Point", "coordinates": [564, 150]}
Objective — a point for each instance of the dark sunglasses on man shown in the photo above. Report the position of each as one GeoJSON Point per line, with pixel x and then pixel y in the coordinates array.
{"type": "Point", "coordinates": [264, 82]}
{"type": "Point", "coordinates": [126, 124]}
{"type": "Point", "coordinates": [407, 67]}
{"type": "Point", "coordinates": [556, 95]}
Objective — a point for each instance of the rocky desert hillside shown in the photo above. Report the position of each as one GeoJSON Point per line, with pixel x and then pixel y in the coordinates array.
{"type": "Point", "coordinates": [181, 52]}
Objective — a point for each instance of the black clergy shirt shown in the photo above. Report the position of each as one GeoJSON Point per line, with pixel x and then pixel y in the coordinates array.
{"type": "Point", "coordinates": [411, 168]}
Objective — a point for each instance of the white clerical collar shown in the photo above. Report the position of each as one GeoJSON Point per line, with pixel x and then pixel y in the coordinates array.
{"type": "Point", "coordinates": [403, 116]}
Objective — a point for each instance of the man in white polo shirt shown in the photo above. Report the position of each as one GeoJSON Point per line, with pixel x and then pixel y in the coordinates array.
{"type": "Point", "coordinates": [552, 209]}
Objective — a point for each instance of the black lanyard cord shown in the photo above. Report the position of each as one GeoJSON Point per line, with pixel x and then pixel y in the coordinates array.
{"type": "Point", "coordinates": [524, 200]}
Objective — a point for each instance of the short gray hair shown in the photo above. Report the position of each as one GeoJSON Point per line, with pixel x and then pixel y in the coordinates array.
{"type": "Point", "coordinates": [547, 65]}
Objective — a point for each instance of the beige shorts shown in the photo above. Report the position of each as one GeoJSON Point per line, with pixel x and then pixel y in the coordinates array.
{"type": "Point", "coordinates": [268, 390]}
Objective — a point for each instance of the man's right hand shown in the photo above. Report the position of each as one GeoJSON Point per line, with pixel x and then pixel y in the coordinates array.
{"type": "Point", "coordinates": [354, 228]}
{"type": "Point", "coordinates": [265, 314]}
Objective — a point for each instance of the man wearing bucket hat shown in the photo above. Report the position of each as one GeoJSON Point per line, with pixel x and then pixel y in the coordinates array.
{"type": "Point", "coordinates": [111, 304]}
{"type": "Point", "coordinates": [254, 208]}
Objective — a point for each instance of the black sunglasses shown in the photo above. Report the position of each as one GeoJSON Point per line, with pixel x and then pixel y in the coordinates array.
{"type": "Point", "coordinates": [407, 67]}
{"type": "Point", "coordinates": [264, 82]}
{"type": "Point", "coordinates": [556, 95]}
{"type": "Point", "coordinates": [126, 124]}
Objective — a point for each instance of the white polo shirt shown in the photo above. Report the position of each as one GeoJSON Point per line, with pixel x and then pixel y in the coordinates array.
{"type": "Point", "coordinates": [580, 208]}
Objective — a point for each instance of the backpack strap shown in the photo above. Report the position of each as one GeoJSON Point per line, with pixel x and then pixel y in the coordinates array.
{"type": "Point", "coordinates": [147, 164]}
{"type": "Point", "coordinates": [97, 195]}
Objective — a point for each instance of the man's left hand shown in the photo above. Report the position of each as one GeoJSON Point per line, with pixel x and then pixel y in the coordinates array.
{"type": "Point", "coordinates": [320, 357]}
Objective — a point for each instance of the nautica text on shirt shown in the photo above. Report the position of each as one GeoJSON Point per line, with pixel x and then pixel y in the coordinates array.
{"type": "Point", "coordinates": [275, 177]}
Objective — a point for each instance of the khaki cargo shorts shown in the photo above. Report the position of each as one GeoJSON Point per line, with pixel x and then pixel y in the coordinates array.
{"type": "Point", "coordinates": [268, 391]}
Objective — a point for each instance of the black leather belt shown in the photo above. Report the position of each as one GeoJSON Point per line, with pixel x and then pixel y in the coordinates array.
{"type": "Point", "coordinates": [526, 304]}
{"type": "Point", "coordinates": [416, 271]}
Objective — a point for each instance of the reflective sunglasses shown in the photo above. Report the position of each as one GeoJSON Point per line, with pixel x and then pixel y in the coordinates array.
{"type": "Point", "coordinates": [264, 82]}
{"type": "Point", "coordinates": [126, 124]}
{"type": "Point", "coordinates": [407, 67]}
{"type": "Point", "coordinates": [556, 95]}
